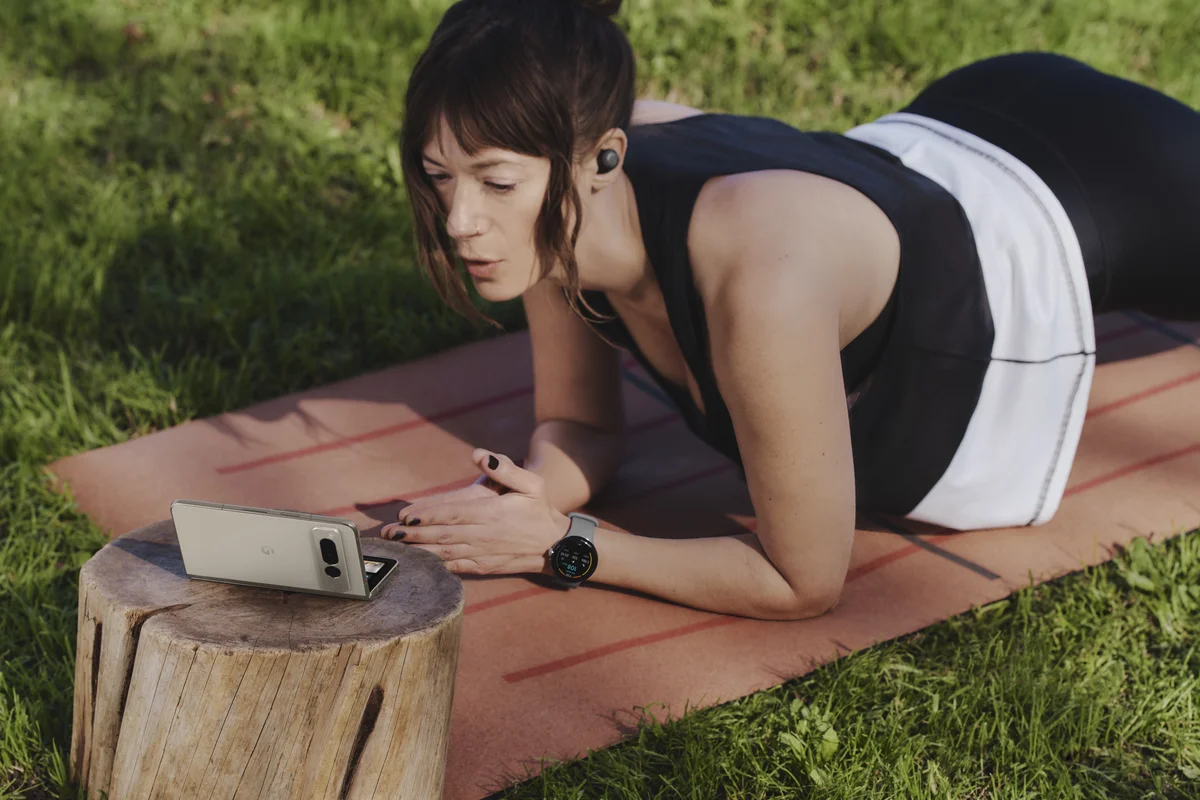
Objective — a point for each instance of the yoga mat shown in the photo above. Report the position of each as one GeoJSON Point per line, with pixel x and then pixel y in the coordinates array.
{"type": "Point", "coordinates": [547, 672]}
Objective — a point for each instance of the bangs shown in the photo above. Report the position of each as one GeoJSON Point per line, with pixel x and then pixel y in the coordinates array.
{"type": "Point", "coordinates": [494, 95]}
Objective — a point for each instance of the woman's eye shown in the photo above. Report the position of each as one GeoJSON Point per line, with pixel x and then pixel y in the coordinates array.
{"type": "Point", "coordinates": [437, 177]}
{"type": "Point", "coordinates": [501, 187]}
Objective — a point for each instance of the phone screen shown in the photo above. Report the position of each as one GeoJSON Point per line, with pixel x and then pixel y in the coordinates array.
{"type": "Point", "coordinates": [377, 569]}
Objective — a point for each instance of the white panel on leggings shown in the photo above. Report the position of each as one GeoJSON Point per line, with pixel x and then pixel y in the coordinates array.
{"type": "Point", "coordinates": [1012, 465]}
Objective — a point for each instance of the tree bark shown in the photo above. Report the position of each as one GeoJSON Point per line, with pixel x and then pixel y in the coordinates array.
{"type": "Point", "coordinates": [194, 689]}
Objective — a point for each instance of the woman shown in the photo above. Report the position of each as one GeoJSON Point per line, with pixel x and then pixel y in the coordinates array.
{"type": "Point", "coordinates": [896, 319]}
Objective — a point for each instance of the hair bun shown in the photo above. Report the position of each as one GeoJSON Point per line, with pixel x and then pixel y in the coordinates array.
{"type": "Point", "coordinates": [608, 8]}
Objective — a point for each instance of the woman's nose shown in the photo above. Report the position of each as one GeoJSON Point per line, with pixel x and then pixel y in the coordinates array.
{"type": "Point", "coordinates": [463, 218]}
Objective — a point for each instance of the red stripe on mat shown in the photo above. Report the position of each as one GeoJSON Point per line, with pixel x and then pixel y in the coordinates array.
{"type": "Point", "coordinates": [674, 633]}
{"type": "Point", "coordinates": [386, 431]}
{"type": "Point", "coordinates": [616, 647]}
{"type": "Point", "coordinates": [520, 594]}
{"type": "Point", "coordinates": [874, 564]}
{"type": "Point", "coordinates": [1132, 468]}
{"type": "Point", "coordinates": [463, 482]}
{"type": "Point", "coordinates": [1133, 398]}
{"type": "Point", "coordinates": [375, 434]}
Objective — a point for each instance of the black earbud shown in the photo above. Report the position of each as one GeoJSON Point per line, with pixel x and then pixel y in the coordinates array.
{"type": "Point", "coordinates": [608, 160]}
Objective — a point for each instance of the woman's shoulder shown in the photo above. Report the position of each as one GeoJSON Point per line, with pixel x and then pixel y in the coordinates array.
{"type": "Point", "coordinates": [790, 214]}
{"type": "Point", "coordinates": [780, 228]}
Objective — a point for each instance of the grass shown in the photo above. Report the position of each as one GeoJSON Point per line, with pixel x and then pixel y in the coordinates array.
{"type": "Point", "coordinates": [200, 209]}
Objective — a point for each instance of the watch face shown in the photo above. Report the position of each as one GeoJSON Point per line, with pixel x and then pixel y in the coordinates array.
{"type": "Point", "coordinates": [574, 558]}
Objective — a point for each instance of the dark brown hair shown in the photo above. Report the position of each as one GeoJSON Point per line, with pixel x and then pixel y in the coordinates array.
{"type": "Point", "coordinates": [544, 78]}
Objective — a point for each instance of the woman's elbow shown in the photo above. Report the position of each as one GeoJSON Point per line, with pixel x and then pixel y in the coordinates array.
{"type": "Point", "coordinates": [798, 606]}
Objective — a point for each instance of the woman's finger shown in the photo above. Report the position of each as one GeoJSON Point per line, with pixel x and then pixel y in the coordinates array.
{"type": "Point", "coordinates": [473, 511]}
{"type": "Point", "coordinates": [417, 534]}
{"type": "Point", "coordinates": [443, 513]}
{"type": "Point", "coordinates": [430, 534]}
{"type": "Point", "coordinates": [505, 472]}
{"type": "Point", "coordinates": [488, 483]}
{"type": "Point", "coordinates": [450, 552]}
{"type": "Point", "coordinates": [412, 534]}
{"type": "Point", "coordinates": [466, 566]}
{"type": "Point", "coordinates": [473, 491]}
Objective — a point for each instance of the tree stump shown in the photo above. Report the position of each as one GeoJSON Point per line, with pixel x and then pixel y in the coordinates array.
{"type": "Point", "coordinates": [193, 689]}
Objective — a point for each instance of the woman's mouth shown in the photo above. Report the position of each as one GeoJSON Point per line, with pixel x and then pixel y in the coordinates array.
{"type": "Point", "coordinates": [481, 268]}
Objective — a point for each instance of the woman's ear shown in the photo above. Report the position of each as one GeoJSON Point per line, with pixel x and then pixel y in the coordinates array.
{"type": "Point", "coordinates": [606, 159]}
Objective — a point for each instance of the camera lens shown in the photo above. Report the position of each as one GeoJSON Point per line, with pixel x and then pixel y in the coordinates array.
{"type": "Point", "coordinates": [333, 572]}
{"type": "Point", "coordinates": [329, 551]}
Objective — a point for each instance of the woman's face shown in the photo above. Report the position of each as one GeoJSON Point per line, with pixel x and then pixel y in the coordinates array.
{"type": "Point", "coordinates": [492, 201]}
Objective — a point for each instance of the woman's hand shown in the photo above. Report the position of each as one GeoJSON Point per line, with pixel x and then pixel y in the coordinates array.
{"type": "Point", "coordinates": [479, 531]}
{"type": "Point", "coordinates": [483, 486]}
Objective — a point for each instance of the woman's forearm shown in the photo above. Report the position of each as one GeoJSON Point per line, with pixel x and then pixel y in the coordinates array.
{"type": "Point", "coordinates": [726, 574]}
{"type": "Point", "coordinates": [574, 460]}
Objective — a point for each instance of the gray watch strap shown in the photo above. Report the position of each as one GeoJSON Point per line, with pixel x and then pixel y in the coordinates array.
{"type": "Point", "coordinates": [582, 525]}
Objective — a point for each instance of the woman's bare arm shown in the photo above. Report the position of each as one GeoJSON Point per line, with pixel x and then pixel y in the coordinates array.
{"type": "Point", "coordinates": [780, 372]}
{"type": "Point", "coordinates": [775, 288]}
{"type": "Point", "coordinates": [579, 439]}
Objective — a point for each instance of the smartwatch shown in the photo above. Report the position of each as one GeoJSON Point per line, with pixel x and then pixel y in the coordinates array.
{"type": "Point", "coordinates": [573, 558]}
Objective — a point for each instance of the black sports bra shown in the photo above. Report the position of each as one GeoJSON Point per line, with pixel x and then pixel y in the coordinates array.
{"type": "Point", "coordinates": [669, 163]}
{"type": "Point", "coordinates": [714, 145]}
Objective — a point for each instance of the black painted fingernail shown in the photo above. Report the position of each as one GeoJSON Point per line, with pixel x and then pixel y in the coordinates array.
{"type": "Point", "coordinates": [415, 521]}
{"type": "Point", "coordinates": [493, 462]}
{"type": "Point", "coordinates": [399, 535]}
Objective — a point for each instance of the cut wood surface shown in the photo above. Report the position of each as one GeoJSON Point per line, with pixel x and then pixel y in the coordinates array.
{"type": "Point", "coordinates": [193, 689]}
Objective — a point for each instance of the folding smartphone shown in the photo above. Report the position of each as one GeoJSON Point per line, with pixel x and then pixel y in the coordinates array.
{"type": "Point", "coordinates": [276, 549]}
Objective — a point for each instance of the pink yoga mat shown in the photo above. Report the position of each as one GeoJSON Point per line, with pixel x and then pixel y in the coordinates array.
{"type": "Point", "coordinates": [533, 681]}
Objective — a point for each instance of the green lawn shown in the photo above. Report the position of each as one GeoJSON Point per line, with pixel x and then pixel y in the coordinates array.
{"type": "Point", "coordinates": [200, 209]}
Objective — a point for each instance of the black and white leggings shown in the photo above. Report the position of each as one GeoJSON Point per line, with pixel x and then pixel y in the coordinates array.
{"type": "Point", "coordinates": [1123, 159]}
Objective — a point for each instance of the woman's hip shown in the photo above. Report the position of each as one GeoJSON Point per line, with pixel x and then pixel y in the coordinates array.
{"type": "Point", "coordinates": [1123, 160]}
